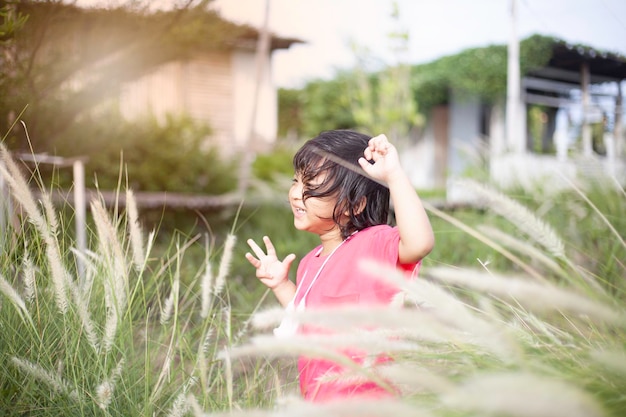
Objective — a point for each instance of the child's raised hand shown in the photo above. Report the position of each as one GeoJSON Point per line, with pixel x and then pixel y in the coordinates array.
{"type": "Point", "coordinates": [384, 156]}
{"type": "Point", "coordinates": [269, 269]}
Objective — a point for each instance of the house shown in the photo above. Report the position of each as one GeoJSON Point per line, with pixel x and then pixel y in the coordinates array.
{"type": "Point", "coordinates": [215, 87]}
{"type": "Point", "coordinates": [570, 123]}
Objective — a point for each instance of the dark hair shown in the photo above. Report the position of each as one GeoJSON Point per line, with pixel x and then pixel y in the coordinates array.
{"type": "Point", "coordinates": [335, 153]}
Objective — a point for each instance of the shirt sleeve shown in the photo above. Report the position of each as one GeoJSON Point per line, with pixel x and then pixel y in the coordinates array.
{"type": "Point", "coordinates": [383, 247]}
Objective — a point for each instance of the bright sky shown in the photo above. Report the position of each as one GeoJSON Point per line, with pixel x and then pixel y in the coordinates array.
{"type": "Point", "coordinates": [436, 28]}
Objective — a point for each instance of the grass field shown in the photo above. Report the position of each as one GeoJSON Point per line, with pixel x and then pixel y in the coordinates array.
{"type": "Point", "coordinates": [520, 311]}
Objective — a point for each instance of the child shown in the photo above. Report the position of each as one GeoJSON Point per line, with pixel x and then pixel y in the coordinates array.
{"type": "Point", "coordinates": [331, 197]}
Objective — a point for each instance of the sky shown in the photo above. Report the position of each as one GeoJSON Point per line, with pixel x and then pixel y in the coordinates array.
{"type": "Point", "coordinates": [436, 28]}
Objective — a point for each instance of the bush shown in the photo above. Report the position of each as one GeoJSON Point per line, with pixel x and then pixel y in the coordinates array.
{"type": "Point", "coordinates": [153, 157]}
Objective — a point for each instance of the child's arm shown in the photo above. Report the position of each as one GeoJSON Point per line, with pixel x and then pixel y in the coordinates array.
{"type": "Point", "coordinates": [416, 234]}
{"type": "Point", "coordinates": [271, 271]}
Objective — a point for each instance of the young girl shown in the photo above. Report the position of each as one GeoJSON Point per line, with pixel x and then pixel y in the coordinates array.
{"type": "Point", "coordinates": [331, 197]}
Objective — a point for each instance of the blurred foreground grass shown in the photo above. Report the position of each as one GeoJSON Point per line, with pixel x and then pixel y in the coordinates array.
{"type": "Point", "coordinates": [520, 311]}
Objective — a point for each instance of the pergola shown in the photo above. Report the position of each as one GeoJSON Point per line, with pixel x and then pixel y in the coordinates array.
{"type": "Point", "coordinates": [578, 67]}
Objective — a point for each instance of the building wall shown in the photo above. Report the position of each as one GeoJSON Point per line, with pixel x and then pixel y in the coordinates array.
{"type": "Point", "coordinates": [215, 88]}
{"type": "Point", "coordinates": [244, 85]}
{"type": "Point", "coordinates": [463, 134]}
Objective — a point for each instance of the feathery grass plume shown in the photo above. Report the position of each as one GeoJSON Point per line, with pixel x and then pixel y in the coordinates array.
{"type": "Point", "coordinates": [224, 267]}
{"type": "Point", "coordinates": [50, 213]}
{"type": "Point", "coordinates": [194, 406]}
{"type": "Point", "coordinates": [14, 297]}
{"type": "Point", "coordinates": [522, 247]}
{"type": "Point", "coordinates": [471, 231]}
{"type": "Point", "coordinates": [316, 346]}
{"type": "Point", "coordinates": [105, 390]}
{"type": "Point", "coordinates": [206, 340]}
{"type": "Point", "coordinates": [402, 324]}
{"type": "Point", "coordinates": [181, 406]}
{"type": "Point", "coordinates": [411, 378]}
{"type": "Point", "coordinates": [613, 360]}
{"type": "Point", "coordinates": [52, 380]}
{"type": "Point", "coordinates": [344, 408]}
{"type": "Point", "coordinates": [112, 254]}
{"type": "Point", "coordinates": [370, 342]}
{"type": "Point", "coordinates": [268, 318]}
{"type": "Point", "coordinates": [58, 273]}
{"type": "Point", "coordinates": [206, 283]}
{"type": "Point", "coordinates": [110, 329]}
{"type": "Point", "coordinates": [134, 230]}
{"type": "Point", "coordinates": [170, 310]}
{"type": "Point", "coordinates": [172, 299]}
{"type": "Point", "coordinates": [538, 297]}
{"type": "Point", "coordinates": [443, 307]}
{"type": "Point", "coordinates": [228, 376]}
{"type": "Point", "coordinates": [522, 395]}
{"type": "Point", "coordinates": [20, 190]}
{"type": "Point", "coordinates": [82, 308]}
{"type": "Point", "coordinates": [519, 215]}
{"type": "Point", "coordinates": [30, 284]}
{"type": "Point", "coordinates": [201, 360]}
{"type": "Point", "coordinates": [115, 275]}
{"type": "Point", "coordinates": [89, 259]}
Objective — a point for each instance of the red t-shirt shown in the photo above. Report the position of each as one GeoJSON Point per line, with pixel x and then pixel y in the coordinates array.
{"type": "Point", "coordinates": [342, 282]}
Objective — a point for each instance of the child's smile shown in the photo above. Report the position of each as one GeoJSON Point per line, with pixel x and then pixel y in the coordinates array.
{"type": "Point", "coordinates": [315, 215]}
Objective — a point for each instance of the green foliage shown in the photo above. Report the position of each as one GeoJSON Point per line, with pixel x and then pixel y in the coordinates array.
{"type": "Point", "coordinates": [170, 157]}
{"type": "Point", "coordinates": [11, 23]}
{"type": "Point", "coordinates": [290, 109]}
{"type": "Point", "coordinates": [274, 165]}
{"type": "Point", "coordinates": [477, 71]}
{"type": "Point", "coordinates": [326, 105]}
{"type": "Point", "coordinates": [355, 96]}
{"type": "Point", "coordinates": [382, 103]}
{"type": "Point", "coordinates": [65, 61]}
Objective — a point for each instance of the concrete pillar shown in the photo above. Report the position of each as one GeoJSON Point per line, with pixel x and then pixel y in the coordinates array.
{"type": "Point", "coordinates": [586, 127]}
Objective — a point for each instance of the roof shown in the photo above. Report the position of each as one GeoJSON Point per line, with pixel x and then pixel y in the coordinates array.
{"type": "Point", "coordinates": [567, 59]}
{"type": "Point", "coordinates": [249, 39]}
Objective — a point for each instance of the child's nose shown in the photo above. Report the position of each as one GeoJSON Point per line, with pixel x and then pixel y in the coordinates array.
{"type": "Point", "coordinates": [295, 192]}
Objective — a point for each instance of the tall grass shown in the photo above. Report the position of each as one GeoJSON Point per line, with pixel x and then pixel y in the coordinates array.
{"type": "Point", "coordinates": [147, 332]}
{"type": "Point", "coordinates": [131, 337]}
{"type": "Point", "coordinates": [544, 338]}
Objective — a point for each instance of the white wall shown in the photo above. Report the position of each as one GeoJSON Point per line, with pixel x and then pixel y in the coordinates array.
{"type": "Point", "coordinates": [463, 134]}
{"type": "Point", "coordinates": [419, 160]}
{"type": "Point", "coordinates": [244, 83]}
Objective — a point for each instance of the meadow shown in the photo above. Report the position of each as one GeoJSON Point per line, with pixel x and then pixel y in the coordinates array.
{"type": "Point", "coordinates": [519, 311]}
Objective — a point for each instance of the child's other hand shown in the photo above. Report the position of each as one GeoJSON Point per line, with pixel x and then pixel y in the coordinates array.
{"type": "Point", "coordinates": [384, 156]}
{"type": "Point", "coordinates": [269, 269]}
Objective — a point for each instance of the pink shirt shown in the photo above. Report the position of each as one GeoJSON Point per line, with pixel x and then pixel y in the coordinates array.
{"type": "Point", "coordinates": [342, 282]}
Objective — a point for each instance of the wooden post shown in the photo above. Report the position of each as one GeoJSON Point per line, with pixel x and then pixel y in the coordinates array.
{"type": "Point", "coordinates": [80, 209]}
{"type": "Point", "coordinates": [262, 53]}
{"type": "Point", "coordinates": [515, 140]}
{"type": "Point", "coordinates": [5, 210]}
{"type": "Point", "coordinates": [618, 128]}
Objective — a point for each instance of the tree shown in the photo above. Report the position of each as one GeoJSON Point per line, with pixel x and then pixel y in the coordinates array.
{"type": "Point", "coordinates": [64, 60]}
{"type": "Point", "coordinates": [382, 101]}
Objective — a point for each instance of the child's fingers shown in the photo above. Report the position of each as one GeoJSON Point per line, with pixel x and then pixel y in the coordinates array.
{"type": "Point", "coordinates": [269, 246]}
{"type": "Point", "coordinates": [365, 165]}
{"type": "Point", "coordinates": [288, 260]}
{"type": "Point", "coordinates": [254, 261]}
{"type": "Point", "coordinates": [255, 248]}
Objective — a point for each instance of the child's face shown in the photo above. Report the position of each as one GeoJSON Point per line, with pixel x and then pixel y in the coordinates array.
{"type": "Point", "coordinates": [316, 215]}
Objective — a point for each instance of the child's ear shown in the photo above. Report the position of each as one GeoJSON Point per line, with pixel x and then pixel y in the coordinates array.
{"type": "Point", "coordinates": [360, 207]}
